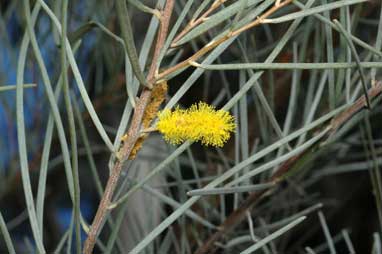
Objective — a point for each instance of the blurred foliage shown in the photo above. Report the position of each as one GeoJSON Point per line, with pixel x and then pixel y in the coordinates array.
{"type": "Point", "coordinates": [283, 80]}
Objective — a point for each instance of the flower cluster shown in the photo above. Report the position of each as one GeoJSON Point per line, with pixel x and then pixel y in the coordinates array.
{"type": "Point", "coordinates": [201, 122]}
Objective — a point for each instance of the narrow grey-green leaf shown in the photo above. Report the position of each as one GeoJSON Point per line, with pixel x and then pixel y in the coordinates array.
{"type": "Point", "coordinates": [21, 137]}
{"type": "Point", "coordinates": [230, 190]}
{"type": "Point", "coordinates": [280, 159]}
{"type": "Point", "coordinates": [172, 217]}
{"type": "Point", "coordinates": [13, 87]}
{"type": "Point", "coordinates": [7, 237]}
{"type": "Point", "coordinates": [79, 80]}
{"type": "Point", "coordinates": [52, 102]}
{"type": "Point", "coordinates": [289, 66]}
{"type": "Point", "coordinates": [140, 6]}
{"type": "Point", "coordinates": [354, 39]}
{"type": "Point", "coordinates": [328, 236]}
{"type": "Point", "coordinates": [314, 10]}
{"type": "Point", "coordinates": [216, 19]}
{"type": "Point", "coordinates": [128, 38]}
{"type": "Point", "coordinates": [273, 236]}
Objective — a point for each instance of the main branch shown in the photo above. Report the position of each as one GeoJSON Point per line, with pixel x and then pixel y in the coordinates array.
{"type": "Point", "coordinates": [133, 134]}
{"type": "Point", "coordinates": [154, 77]}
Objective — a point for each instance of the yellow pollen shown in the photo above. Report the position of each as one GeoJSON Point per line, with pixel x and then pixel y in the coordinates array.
{"type": "Point", "coordinates": [201, 122]}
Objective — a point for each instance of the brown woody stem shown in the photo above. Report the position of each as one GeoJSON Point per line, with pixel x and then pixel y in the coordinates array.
{"type": "Point", "coordinates": [213, 44]}
{"type": "Point", "coordinates": [133, 134]}
{"type": "Point", "coordinates": [194, 22]}
{"type": "Point", "coordinates": [153, 77]}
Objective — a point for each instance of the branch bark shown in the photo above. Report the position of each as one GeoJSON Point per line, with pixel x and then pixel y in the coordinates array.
{"type": "Point", "coordinates": [197, 21]}
{"type": "Point", "coordinates": [133, 133]}
{"type": "Point", "coordinates": [213, 44]}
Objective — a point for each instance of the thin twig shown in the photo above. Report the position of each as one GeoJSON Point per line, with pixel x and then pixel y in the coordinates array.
{"type": "Point", "coordinates": [197, 21]}
{"type": "Point", "coordinates": [134, 131]}
{"type": "Point", "coordinates": [238, 215]}
{"type": "Point", "coordinates": [133, 134]}
{"type": "Point", "coordinates": [357, 106]}
{"type": "Point", "coordinates": [213, 44]}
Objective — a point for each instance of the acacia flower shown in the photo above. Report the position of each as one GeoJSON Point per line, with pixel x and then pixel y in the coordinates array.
{"type": "Point", "coordinates": [201, 122]}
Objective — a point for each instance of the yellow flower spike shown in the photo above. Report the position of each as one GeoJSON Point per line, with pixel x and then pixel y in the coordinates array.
{"type": "Point", "coordinates": [201, 122]}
